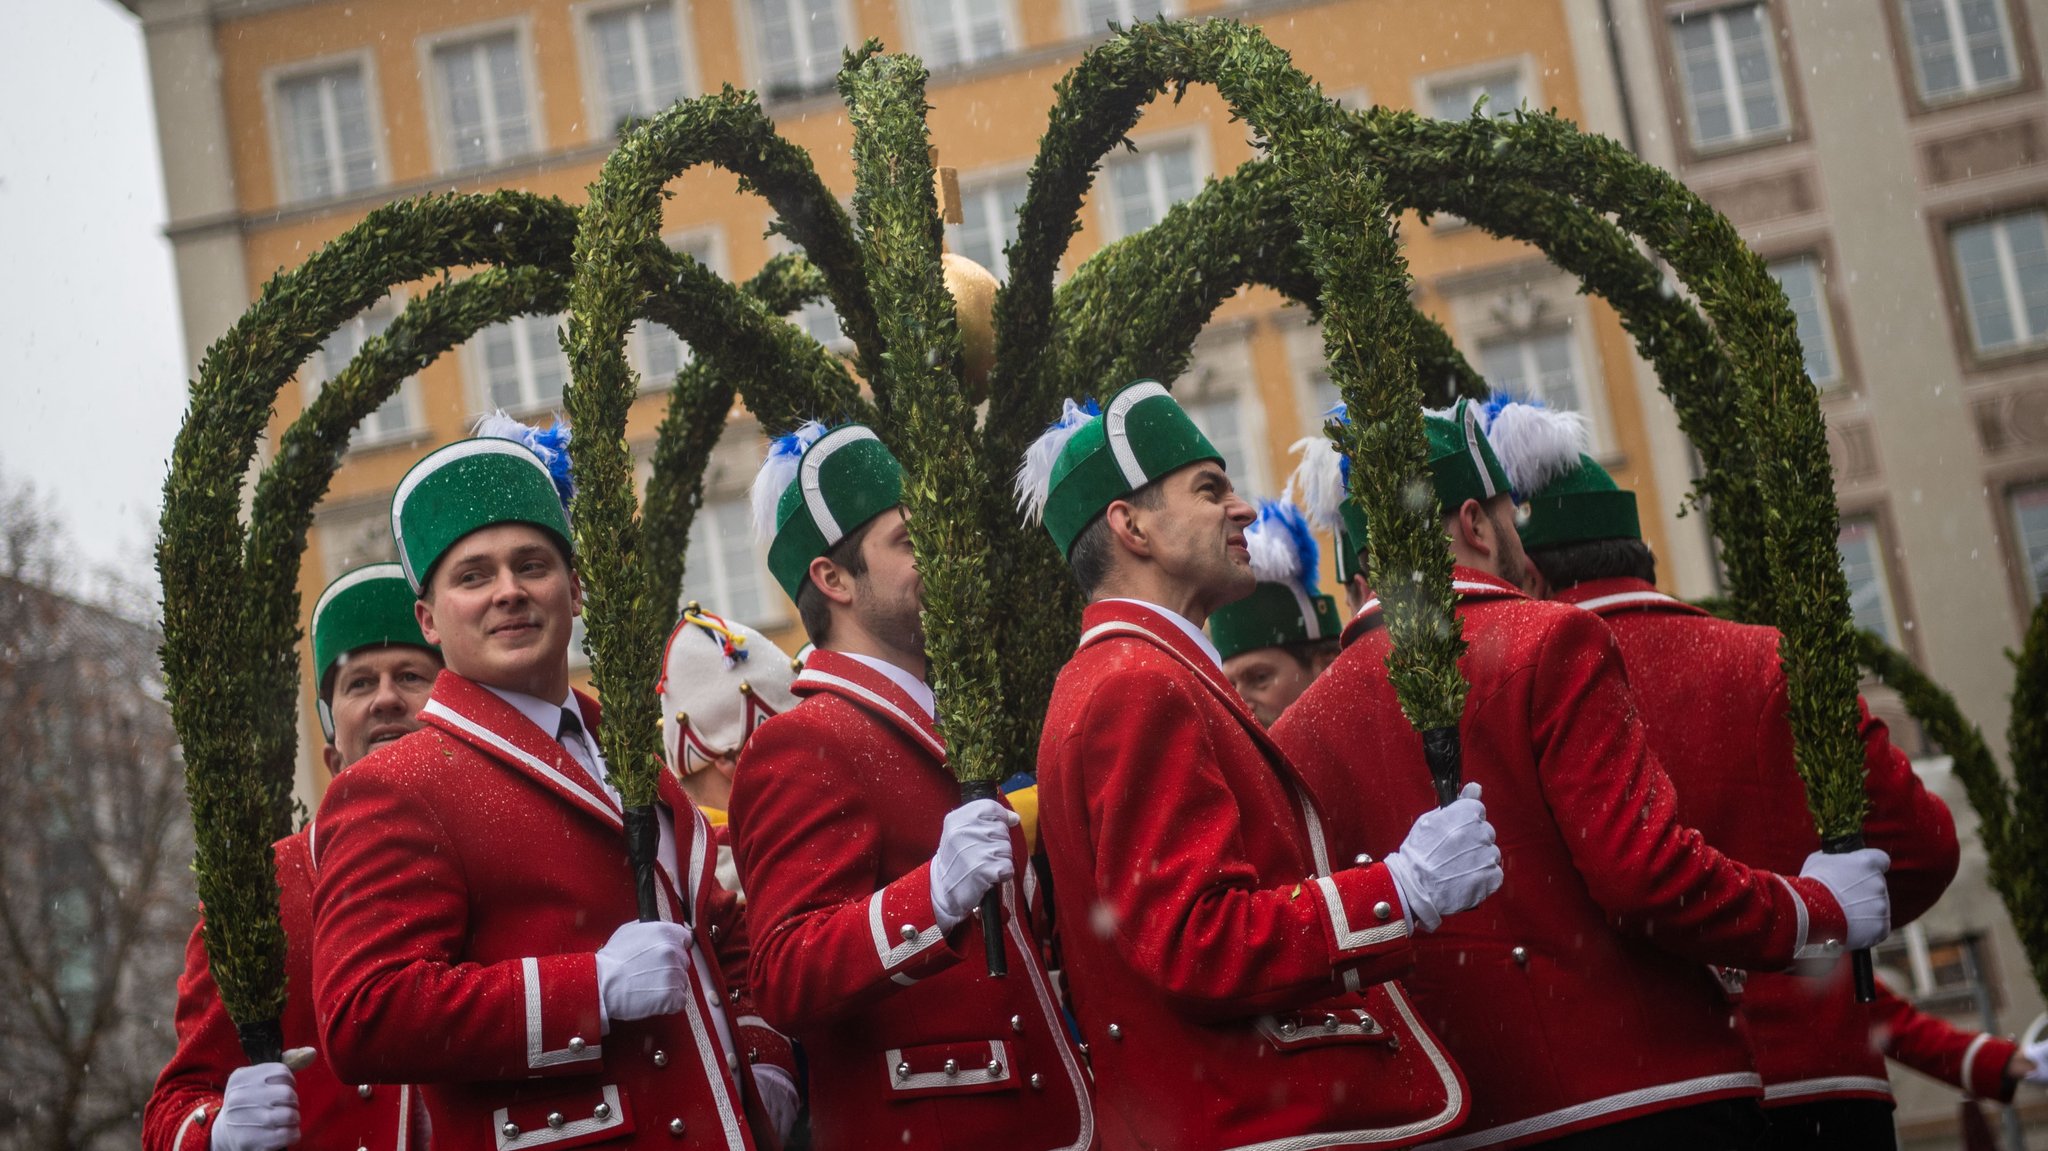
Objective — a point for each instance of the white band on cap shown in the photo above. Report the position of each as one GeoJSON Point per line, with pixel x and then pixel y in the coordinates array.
{"type": "Point", "coordinates": [461, 450]}
{"type": "Point", "coordinates": [1120, 439]}
{"type": "Point", "coordinates": [807, 478]}
{"type": "Point", "coordinates": [1471, 429]}
{"type": "Point", "coordinates": [1309, 622]}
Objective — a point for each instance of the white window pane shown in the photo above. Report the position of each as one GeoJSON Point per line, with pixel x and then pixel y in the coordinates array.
{"type": "Point", "coordinates": [1728, 61]}
{"type": "Point", "coordinates": [306, 167]}
{"type": "Point", "coordinates": [2027, 240]}
{"type": "Point", "coordinates": [1220, 421]}
{"type": "Point", "coordinates": [463, 101]}
{"type": "Point", "coordinates": [611, 37]}
{"type": "Point", "coordinates": [723, 570]}
{"type": "Point", "coordinates": [1535, 366]}
{"type": "Point", "coordinates": [1991, 319]}
{"type": "Point", "coordinates": [1934, 54]}
{"type": "Point", "coordinates": [508, 91]}
{"type": "Point", "coordinates": [1802, 282]}
{"type": "Point", "coordinates": [2030, 519]}
{"type": "Point", "coordinates": [662, 73]}
{"type": "Point", "coordinates": [1143, 187]}
{"type": "Point", "coordinates": [1456, 101]}
{"type": "Point", "coordinates": [1985, 43]}
{"type": "Point", "coordinates": [1863, 567]}
{"type": "Point", "coordinates": [988, 223]}
{"type": "Point", "coordinates": [662, 354]}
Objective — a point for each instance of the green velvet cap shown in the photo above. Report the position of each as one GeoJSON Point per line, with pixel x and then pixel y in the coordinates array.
{"type": "Point", "coordinates": [843, 480]}
{"type": "Point", "coordinates": [466, 486]}
{"type": "Point", "coordinates": [369, 606]}
{"type": "Point", "coordinates": [1141, 435]}
{"type": "Point", "coordinates": [1582, 505]}
{"type": "Point", "coordinates": [1351, 539]}
{"type": "Point", "coordinates": [1462, 465]}
{"type": "Point", "coordinates": [1274, 614]}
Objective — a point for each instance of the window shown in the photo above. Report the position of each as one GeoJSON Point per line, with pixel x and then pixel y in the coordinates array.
{"type": "Point", "coordinates": [484, 114]}
{"type": "Point", "coordinates": [951, 32]}
{"type": "Point", "coordinates": [355, 535]}
{"type": "Point", "coordinates": [1935, 972]}
{"type": "Point", "coordinates": [2030, 524]}
{"type": "Point", "coordinates": [1960, 47]}
{"type": "Point", "coordinates": [1727, 60]}
{"type": "Point", "coordinates": [1535, 366]}
{"type": "Point", "coordinates": [1093, 17]}
{"type": "Point", "coordinates": [1806, 290]}
{"type": "Point", "coordinates": [723, 568]}
{"type": "Point", "coordinates": [524, 367]}
{"type": "Point", "coordinates": [1870, 597]}
{"type": "Point", "coordinates": [657, 351]}
{"type": "Point", "coordinates": [988, 222]}
{"type": "Point", "coordinates": [818, 317]}
{"type": "Point", "coordinates": [1220, 420]}
{"type": "Point", "coordinates": [2003, 266]}
{"type": "Point", "coordinates": [328, 145]}
{"type": "Point", "coordinates": [1142, 187]}
{"type": "Point", "coordinates": [637, 58]}
{"type": "Point", "coordinates": [394, 419]}
{"type": "Point", "coordinates": [796, 44]}
{"type": "Point", "coordinates": [1458, 99]}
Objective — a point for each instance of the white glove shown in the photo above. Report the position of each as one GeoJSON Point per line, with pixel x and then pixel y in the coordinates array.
{"type": "Point", "coordinates": [1856, 880]}
{"type": "Point", "coordinates": [973, 856]}
{"type": "Point", "coordinates": [258, 1112]}
{"type": "Point", "coordinates": [643, 970]}
{"type": "Point", "coordinates": [778, 1098]}
{"type": "Point", "coordinates": [1448, 863]}
{"type": "Point", "coordinates": [2036, 1054]}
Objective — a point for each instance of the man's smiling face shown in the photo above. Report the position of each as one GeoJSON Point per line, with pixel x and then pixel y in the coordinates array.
{"type": "Point", "coordinates": [376, 697]}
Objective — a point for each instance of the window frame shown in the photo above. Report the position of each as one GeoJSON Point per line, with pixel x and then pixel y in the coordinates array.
{"type": "Point", "coordinates": [713, 257]}
{"type": "Point", "coordinates": [756, 68]}
{"type": "Point", "coordinates": [1676, 95]}
{"type": "Point", "coordinates": [1472, 309]}
{"type": "Point", "coordinates": [583, 15]}
{"type": "Point", "coordinates": [440, 146]}
{"type": "Point", "coordinates": [407, 392]}
{"type": "Point", "coordinates": [477, 370]}
{"type": "Point", "coordinates": [2008, 509]}
{"type": "Point", "coordinates": [1889, 577]}
{"type": "Point", "coordinates": [977, 181]}
{"type": "Point", "coordinates": [1906, 63]}
{"type": "Point", "coordinates": [274, 78]}
{"type": "Point", "coordinates": [917, 34]}
{"type": "Point", "coordinates": [1521, 64]}
{"type": "Point", "coordinates": [1221, 346]}
{"type": "Point", "coordinates": [1941, 229]}
{"type": "Point", "coordinates": [1832, 314]}
{"type": "Point", "coordinates": [1103, 198]}
{"type": "Point", "coordinates": [775, 603]}
{"type": "Point", "coordinates": [1076, 16]}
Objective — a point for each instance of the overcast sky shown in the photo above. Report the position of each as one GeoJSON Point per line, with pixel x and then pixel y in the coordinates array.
{"type": "Point", "coordinates": [92, 371]}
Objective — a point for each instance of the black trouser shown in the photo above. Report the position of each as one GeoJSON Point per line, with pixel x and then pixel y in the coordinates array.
{"type": "Point", "coordinates": [1831, 1124]}
{"type": "Point", "coordinates": [1723, 1125]}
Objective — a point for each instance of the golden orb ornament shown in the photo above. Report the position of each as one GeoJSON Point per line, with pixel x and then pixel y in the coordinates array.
{"type": "Point", "coordinates": [973, 288]}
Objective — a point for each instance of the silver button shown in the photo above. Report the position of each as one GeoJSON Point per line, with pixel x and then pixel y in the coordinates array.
{"type": "Point", "coordinates": [716, 1001]}
{"type": "Point", "coordinates": [509, 1130]}
{"type": "Point", "coordinates": [714, 931]}
{"type": "Point", "coordinates": [907, 932]}
{"type": "Point", "coordinates": [577, 1045]}
{"type": "Point", "coordinates": [1361, 859]}
{"type": "Point", "coordinates": [555, 1120]}
{"type": "Point", "coordinates": [952, 1067]}
{"type": "Point", "coordinates": [1017, 1024]}
{"type": "Point", "coordinates": [995, 1068]}
{"type": "Point", "coordinates": [661, 1059]}
{"type": "Point", "coordinates": [1038, 1082]}
{"type": "Point", "coordinates": [1833, 945]}
{"type": "Point", "coordinates": [1521, 955]}
{"type": "Point", "coordinates": [1383, 910]}
{"type": "Point", "coordinates": [1329, 1023]}
{"type": "Point", "coordinates": [903, 1071]}
{"type": "Point", "coordinates": [601, 1112]}
{"type": "Point", "coordinates": [1368, 1024]}
{"type": "Point", "coordinates": [1116, 1031]}
{"type": "Point", "coordinates": [1287, 1028]}
{"type": "Point", "coordinates": [363, 1091]}
{"type": "Point", "coordinates": [675, 1128]}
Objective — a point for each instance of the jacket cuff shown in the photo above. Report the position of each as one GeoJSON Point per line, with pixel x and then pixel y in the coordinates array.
{"type": "Point", "coordinates": [195, 1132]}
{"type": "Point", "coordinates": [564, 1013]}
{"type": "Point", "coordinates": [1819, 925]}
{"type": "Point", "coordinates": [905, 929]}
{"type": "Point", "coordinates": [1983, 1070]}
{"type": "Point", "coordinates": [1361, 909]}
{"type": "Point", "coordinates": [764, 1046]}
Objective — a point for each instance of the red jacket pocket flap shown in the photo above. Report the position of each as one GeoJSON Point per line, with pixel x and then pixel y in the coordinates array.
{"type": "Point", "coordinates": [564, 1119]}
{"type": "Point", "coordinates": [968, 1068]}
{"type": "Point", "coordinates": [1302, 1031]}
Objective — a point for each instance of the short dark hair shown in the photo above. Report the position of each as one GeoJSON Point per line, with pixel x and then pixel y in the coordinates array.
{"type": "Point", "coordinates": [1094, 550]}
{"type": "Point", "coordinates": [1306, 652]}
{"type": "Point", "coordinates": [1567, 565]}
{"type": "Point", "coordinates": [811, 605]}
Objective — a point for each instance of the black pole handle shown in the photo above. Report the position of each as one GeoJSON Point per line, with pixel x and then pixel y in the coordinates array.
{"type": "Point", "coordinates": [262, 1041]}
{"type": "Point", "coordinates": [643, 845]}
{"type": "Point", "coordinates": [1444, 752]}
{"type": "Point", "coordinates": [1861, 969]}
{"type": "Point", "coordinates": [992, 900]}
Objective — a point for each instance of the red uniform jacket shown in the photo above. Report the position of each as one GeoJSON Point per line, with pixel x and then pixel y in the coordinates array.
{"type": "Point", "coordinates": [837, 806]}
{"type": "Point", "coordinates": [1577, 995]}
{"type": "Point", "coordinates": [1972, 1060]}
{"type": "Point", "coordinates": [333, 1116]}
{"type": "Point", "coordinates": [1712, 694]}
{"type": "Point", "coordinates": [468, 874]}
{"type": "Point", "coordinates": [1233, 990]}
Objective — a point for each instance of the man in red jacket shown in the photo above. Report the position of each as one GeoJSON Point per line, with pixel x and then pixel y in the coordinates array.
{"type": "Point", "coordinates": [372, 672]}
{"type": "Point", "coordinates": [1234, 986]}
{"type": "Point", "coordinates": [1577, 1000]}
{"type": "Point", "coordinates": [1713, 697]}
{"type": "Point", "coordinates": [475, 926]}
{"type": "Point", "coordinates": [861, 866]}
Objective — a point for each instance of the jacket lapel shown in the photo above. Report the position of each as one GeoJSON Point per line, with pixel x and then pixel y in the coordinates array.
{"type": "Point", "coordinates": [829, 671]}
{"type": "Point", "coordinates": [475, 716]}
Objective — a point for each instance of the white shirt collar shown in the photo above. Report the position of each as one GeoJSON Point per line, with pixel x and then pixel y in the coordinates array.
{"type": "Point", "coordinates": [919, 692]}
{"type": "Point", "coordinates": [1183, 623]}
{"type": "Point", "coordinates": [545, 716]}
